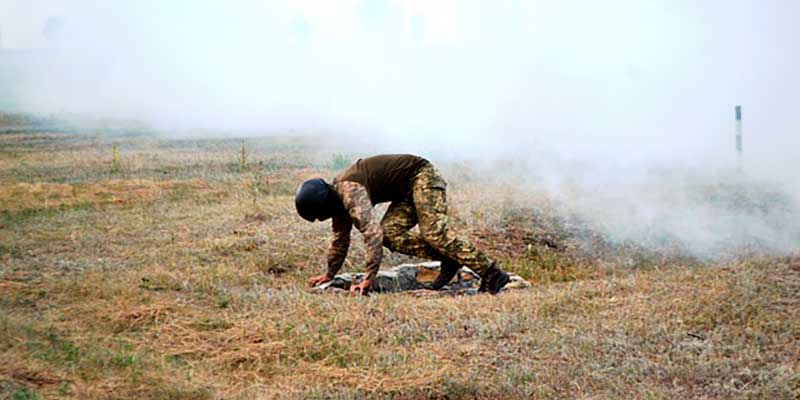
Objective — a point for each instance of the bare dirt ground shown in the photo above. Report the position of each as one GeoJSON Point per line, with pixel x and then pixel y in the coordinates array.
{"type": "Point", "coordinates": [175, 269]}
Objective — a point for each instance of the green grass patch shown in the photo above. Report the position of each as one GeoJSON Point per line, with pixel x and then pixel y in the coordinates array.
{"type": "Point", "coordinates": [12, 218]}
{"type": "Point", "coordinates": [211, 324]}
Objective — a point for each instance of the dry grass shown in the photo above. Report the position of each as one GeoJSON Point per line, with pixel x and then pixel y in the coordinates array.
{"type": "Point", "coordinates": [179, 275]}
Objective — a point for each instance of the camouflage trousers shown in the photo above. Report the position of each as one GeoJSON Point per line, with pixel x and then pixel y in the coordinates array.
{"type": "Point", "coordinates": [436, 240]}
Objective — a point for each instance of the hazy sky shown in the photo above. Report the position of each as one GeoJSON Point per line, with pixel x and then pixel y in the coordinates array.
{"type": "Point", "coordinates": [634, 80]}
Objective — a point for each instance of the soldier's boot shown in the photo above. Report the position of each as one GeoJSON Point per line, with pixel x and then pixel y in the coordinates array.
{"type": "Point", "coordinates": [493, 279]}
{"type": "Point", "coordinates": [447, 271]}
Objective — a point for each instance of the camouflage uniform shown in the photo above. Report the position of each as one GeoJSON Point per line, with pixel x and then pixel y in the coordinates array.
{"type": "Point", "coordinates": [426, 205]}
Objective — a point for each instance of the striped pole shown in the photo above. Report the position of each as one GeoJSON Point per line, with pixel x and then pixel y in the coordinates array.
{"type": "Point", "coordinates": [739, 134]}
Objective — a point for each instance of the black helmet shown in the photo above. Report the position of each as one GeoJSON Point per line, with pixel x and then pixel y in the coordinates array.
{"type": "Point", "coordinates": [311, 200]}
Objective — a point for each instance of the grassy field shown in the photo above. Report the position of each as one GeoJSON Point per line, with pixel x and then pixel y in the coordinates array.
{"type": "Point", "coordinates": [134, 267]}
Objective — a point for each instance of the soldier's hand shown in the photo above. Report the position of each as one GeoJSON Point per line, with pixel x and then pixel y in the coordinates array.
{"type": "Point", "coordinates": [318, 280]}
{"type": "Point", "coordinates": [360, 289]}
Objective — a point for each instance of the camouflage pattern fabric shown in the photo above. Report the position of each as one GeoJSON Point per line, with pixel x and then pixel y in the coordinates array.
{"type": "Point", "coordinates": [359, 208]}
{"type": "Point", "coordinates": [337, 252]}
{"type": "Point", "coordinates": [426, 206]}
{"type": "Point", "coordinates": [437, 239]}
{"type": "Point", "coordinates": [400, 217]}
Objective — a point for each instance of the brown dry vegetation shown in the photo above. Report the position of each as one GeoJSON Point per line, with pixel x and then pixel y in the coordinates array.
{"type": "Point", "coordinates": [177, 273]}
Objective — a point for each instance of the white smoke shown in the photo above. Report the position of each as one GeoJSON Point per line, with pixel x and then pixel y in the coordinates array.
{"type": "Point", "coordinates": [588, 97]}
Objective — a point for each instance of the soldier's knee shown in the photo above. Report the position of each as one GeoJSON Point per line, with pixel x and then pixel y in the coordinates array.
{"type": "Point", "coordinates": [435, 234]}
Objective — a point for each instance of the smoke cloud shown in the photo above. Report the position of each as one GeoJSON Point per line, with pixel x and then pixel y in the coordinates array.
{"type": "Point", "coordinates": [622, 109]}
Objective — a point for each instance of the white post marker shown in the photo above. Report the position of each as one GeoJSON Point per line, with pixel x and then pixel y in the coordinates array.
{"type": "Point", "coordinates": [739, 135]}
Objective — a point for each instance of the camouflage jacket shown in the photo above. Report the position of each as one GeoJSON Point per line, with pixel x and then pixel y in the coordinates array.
{"type": "Point", "coordinates": [359, 213]}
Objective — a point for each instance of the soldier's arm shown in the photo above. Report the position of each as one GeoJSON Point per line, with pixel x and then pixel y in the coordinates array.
{"type": "Point", "coordinates": [356, 201]}
{"type": "Point", "coordinates": [341, 225]}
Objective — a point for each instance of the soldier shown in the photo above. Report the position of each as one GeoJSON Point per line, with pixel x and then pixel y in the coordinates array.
{"type": "Point", "coordinates": [418, 196]}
